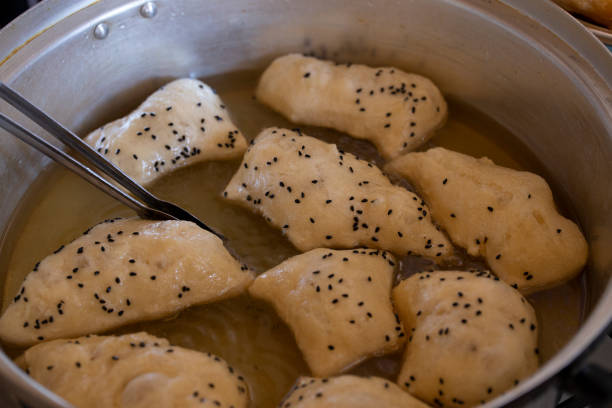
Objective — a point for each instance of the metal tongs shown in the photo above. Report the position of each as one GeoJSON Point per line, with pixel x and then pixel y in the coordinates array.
{"type": "Point", "coordinates": [145, 204]}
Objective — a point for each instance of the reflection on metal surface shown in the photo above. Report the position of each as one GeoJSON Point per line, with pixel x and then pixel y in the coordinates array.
{"type": "Point", "coordinates": [38, 23]}
{"type": "Point", "coordinates": [16, 49]}
{"type": "Point", "coordinates": [148, 10]}
{"type": "Point", "coordinates": [101, 31]}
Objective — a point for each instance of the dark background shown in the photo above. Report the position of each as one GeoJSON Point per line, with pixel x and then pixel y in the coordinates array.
{"type": "Point", "coordinates": [9, 9]}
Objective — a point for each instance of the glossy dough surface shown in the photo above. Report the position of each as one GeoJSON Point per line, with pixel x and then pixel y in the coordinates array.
{"type": "Point", "coordinates": [182, 123]}
{"type": "Point", "coordinates": [135, 371]}
{"type": "Point", "coordinates": [337, 304]}
{"type": "Point", "coordinates": [323, 197]}
{"type": "Point", "coordinates": [120, 272]}
{"type": "Point", "coordinates": [395, 110]}
{"type": "Point", "coordinates": [472, 337]}
{"type": "Point", "coordinates": [348, 391]}
{"type": "Point", "coordinates": [506, 216]}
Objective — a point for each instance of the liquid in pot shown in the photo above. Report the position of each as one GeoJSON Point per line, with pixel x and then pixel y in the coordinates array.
{"type": "Point", "coordinates": [245, 332]}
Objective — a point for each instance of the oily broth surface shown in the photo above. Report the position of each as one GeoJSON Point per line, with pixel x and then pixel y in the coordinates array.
{"type": "Point", "coordinates": [243, 331]}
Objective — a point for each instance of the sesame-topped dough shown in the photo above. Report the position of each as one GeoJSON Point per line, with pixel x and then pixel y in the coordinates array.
{"type": "Point", "coordinates": [472, 337]}
{"type": "Point", "coordinates": [504, 215]}
{"type": "Point", "coordinates": [120, 272]}
{"type": "Point", "coordinates": [348, 391]}
{"type": "Point", "coordinates": [394, 110]}
{"type": "Point", "coordinates": [337, 303]}
{"type": "Point", "coordinates": [323, 197]}
{"type": "Point", "coordinates": [134, 371]}
{"type": "Point", "coordinates": [183, 123]}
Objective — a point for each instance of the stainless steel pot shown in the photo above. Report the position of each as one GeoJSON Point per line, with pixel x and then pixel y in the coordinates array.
{"type": "Point", "coordinates": [524, 63]}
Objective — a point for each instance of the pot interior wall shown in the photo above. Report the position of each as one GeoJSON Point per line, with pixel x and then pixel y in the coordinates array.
{"type": "Point", "coordinates": [516, 72]}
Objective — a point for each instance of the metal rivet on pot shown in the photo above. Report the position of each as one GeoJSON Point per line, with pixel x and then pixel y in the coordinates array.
{"type": "Point", "coordinates": [148, 10]}
{"type": "Point", "coordinates": [101, 31]}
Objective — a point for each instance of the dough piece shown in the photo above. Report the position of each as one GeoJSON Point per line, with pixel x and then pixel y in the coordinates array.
{"type": "Point", "coordinates": [506, 216]}
{"type": "Point", "coordinates": [135, 371]}
{"type": "Point", "coordinates": [394, 110]}
{"type": "Point", "coordinates": [472, 337]}
{"type": "Point", "coordinates": [348, 391]}
{"type": "Point", "coordinates": [323, 197]}
{"type": "Point", "coordinates": [120, 272]}
{"type": "Point", "coordinates": [337, 304]}
{"type": "Point", "coordinates": [599, 11]}
{"type": "Point", "coordinates": [183, 123]}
